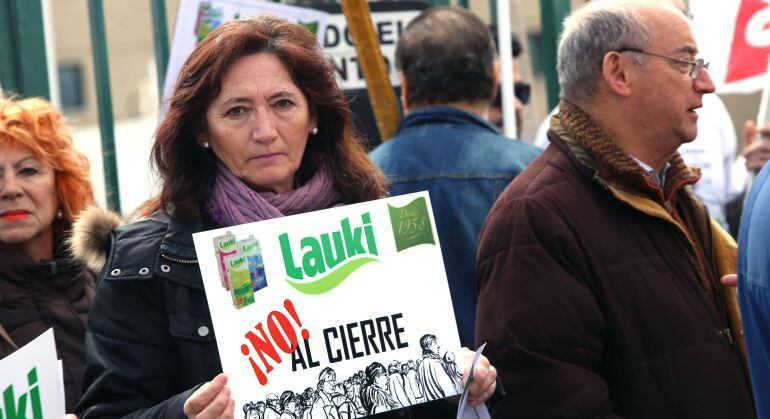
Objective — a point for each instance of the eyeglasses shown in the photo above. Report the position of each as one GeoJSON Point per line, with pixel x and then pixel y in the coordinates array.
{"type": "Point", "coordinates": [521, 90]}
{"type": "Point", "coordinates": [695, 65]}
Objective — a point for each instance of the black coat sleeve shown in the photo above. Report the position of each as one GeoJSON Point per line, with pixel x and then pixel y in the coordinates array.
{"type": "Point", "coordinates": [132, 369]}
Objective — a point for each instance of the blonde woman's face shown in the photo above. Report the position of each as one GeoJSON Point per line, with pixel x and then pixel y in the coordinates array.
{"type": "Point", "coordinates": [28, 198]}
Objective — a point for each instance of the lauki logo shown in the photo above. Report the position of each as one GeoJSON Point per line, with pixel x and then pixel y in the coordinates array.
{"type": "Point", "coordinates": [14, 407]}
{"type": "Point", "coordinates": [327, 260]}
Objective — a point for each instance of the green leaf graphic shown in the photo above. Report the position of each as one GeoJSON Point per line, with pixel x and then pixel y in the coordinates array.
{"type": "Point", "coordinates": [330, 281]}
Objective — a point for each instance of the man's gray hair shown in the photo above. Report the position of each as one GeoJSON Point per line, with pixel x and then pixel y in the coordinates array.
{"type": "Point", "coordinates": [589, 34]}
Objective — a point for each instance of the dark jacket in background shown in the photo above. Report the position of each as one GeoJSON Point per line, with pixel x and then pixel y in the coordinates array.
{"type": "Point", "coordinates": [464, 163]}
{"type": "Point", "coordinates": [36, 296]}
{"type": "Point", "coordinates": [599, 293]}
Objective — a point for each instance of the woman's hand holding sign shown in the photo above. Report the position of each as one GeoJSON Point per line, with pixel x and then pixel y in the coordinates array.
{"type": "Point", "coordinates": [211, 400]}
{"type": "Point", "coordinates": [484, 377]}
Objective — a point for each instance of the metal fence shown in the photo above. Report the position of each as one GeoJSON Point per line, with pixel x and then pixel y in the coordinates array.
{"type": "Point", "coordinates": [24, 66]}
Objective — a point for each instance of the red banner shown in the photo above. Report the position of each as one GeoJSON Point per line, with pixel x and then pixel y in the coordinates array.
{"type": "Point", "coordinates": [751, 41]}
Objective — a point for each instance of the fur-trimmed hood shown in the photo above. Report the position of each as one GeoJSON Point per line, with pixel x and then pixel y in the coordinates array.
{"type": "Point", "coordinates": [89, 241]}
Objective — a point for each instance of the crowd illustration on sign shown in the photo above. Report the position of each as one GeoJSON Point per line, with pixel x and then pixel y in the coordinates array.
{"type": "Point", "coordinates": [375, 389]}
{"type": "Point", "coordinates": [241, 269]}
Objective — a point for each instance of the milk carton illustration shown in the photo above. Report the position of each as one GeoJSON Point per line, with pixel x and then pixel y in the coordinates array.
{"type": "Point", "coordinates": [241, 289]}
{"type": "Point", "coordinates": [224, 245]}
{"type": "Point", "coordinates": [250, 248]}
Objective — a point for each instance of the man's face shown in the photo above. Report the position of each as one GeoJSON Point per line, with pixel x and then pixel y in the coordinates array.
{"type": "Point", "coordinates": [518, 106]}
{"type": "Point", "coordinates": [433, 346]}
{"type": "Point", "coordinates": [496, 112]}
{"type": "Point", "coordinates": [328, 385]}
{"type": "Point", "coordinates": [665, 88]}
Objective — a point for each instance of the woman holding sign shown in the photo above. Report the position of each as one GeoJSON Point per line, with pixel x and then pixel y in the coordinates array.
{"type": "Point", "coordinates": [256, 128]}
{"type": "Point", "coordinates": [43, 186]}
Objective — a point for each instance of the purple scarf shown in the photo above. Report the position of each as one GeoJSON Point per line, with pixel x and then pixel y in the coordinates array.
{"type": "Point", "coordinates": [232, 202]}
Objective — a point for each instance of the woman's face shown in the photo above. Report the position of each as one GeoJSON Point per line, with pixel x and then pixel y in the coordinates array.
{"type": "Point", "coordinates": [28, 199]}
{"type": "Point", "coordinates": [259, 124]}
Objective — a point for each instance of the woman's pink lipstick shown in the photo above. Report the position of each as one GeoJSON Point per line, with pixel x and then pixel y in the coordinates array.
{"type": "Point", "coordinates": [268, 156]}
{"type": "Point", "coordinates": [15, 215]}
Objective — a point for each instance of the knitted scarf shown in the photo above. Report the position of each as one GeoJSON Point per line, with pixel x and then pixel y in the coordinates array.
{"type": "Point", "coordinates": [232, 202]}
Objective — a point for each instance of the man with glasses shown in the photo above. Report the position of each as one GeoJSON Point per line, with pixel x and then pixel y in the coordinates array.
{"type": "Point", "coordinates": [445, 144]}
{"type": "Point", "coordinates": [598, 270]}
{"type": "Point", "coordinates": [724, 173]}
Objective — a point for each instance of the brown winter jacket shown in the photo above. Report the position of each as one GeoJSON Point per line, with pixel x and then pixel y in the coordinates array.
{"type": "Point", "coordinates": [36, 296]}
{"type": "Point", "coordinates": [599, 293]}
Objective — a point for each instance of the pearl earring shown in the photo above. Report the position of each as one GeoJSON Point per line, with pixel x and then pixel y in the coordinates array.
{"type": "Point", "coordinates": [206, 144]}
{"type": "Point", "coordinates": [315, 130]}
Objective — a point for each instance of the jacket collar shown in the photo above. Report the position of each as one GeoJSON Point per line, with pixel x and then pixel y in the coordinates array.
{"type": "Point", "coordinates": [443, 114]}
{"type": "Point", "coordinates": [596, 152]}
{"type": "Point", "coordinates": [178, 241]}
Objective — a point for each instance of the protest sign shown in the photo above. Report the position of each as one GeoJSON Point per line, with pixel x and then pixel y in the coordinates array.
{"type": "Point", "coordinates": [31, 381]}
{"type": "Point", "coordinates": [389, 20]}
{"type": "Point", "coordinates": [197, 18]}
{"type": "Point", "coordinates": [345, 309]}
{"type": "Point", "coordinates": [735, 37]}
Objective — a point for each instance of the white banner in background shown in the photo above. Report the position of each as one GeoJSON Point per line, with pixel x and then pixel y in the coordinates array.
{"type": "Point", "coordinates": [345, 310]}
{"type": "Point", "coordinates": [734, 35]}
{"type": "Point", "coordinates": [31, 381]}
{"type": "Point", "coordinates": [196, 18]}
{"type": "Point", "coordinates": [388, 25]}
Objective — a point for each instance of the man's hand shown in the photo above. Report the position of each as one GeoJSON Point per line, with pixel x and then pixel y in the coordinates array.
{"type": "Point", "coordinates": [756, 153]}
{"type": "Point", "coordinates": [484, 377]}
{"type": "Point", "coordinates": [730, 280]}
{"type": "Point", "coordinates": [211, 400]}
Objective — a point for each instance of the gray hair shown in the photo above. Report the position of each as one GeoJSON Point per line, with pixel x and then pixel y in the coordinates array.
{"type": "Point", "coordinates": [589, 34]}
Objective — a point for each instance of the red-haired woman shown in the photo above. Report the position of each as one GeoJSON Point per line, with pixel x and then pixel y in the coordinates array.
{"type": "Point", "coordinates": [43, 186]}
{"type": "Point", "coordinates": [257, 128]}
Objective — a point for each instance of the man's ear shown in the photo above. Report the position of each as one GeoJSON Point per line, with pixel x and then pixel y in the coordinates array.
{"type": "Point", "coordinates": [404, 87]}
{"type": "Point", "coordinates": [496, 78]}
{"type": "Point", "coordinates": [616, 72]}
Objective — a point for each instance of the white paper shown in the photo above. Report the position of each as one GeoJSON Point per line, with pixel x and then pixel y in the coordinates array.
{"type": "Point", "coordinates": [394, 295]}
{"type": "Point", "coordinates": [33, 379]}
{"type": "Point", "coordinates": [465, 411]}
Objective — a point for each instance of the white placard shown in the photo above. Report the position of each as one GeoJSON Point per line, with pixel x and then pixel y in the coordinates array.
{"type": "Point", "coordinates": [338, 43]}
{"type": "Point", "coordinates": [196, 18]}
{"type": "Point", "coordinates": [31, 381]}
{"type": "Point", "coordinates": [348, 287]}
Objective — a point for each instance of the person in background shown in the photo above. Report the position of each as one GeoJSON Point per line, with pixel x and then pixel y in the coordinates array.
{"type": "Point", "coordinates": [521, 90]}
{"type": "Point", "coordinates": [598, 270]}
{"type": "Point", "coordinates": [446, 145]}
{"type": "Point", "coordinates": [257, 128]}
{"type": "Point", "coordinates": [44, 185]}
{"type": "Point", "coordinates": [753, 286]}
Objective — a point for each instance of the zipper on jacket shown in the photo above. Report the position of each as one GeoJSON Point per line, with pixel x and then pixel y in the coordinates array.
{"type": "Point", "coordinates": [178, 260]}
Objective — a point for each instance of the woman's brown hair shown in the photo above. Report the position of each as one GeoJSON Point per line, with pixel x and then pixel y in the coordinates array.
{"type": "Point", "coordinates": [187, 171]}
